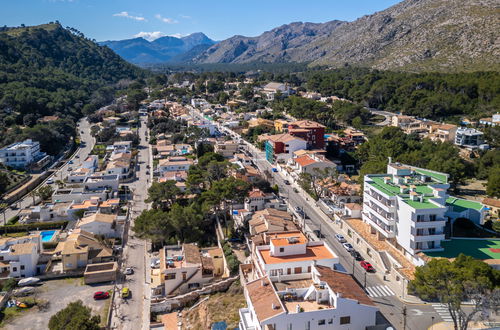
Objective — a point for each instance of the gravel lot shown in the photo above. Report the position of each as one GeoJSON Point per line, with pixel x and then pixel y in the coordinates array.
{"type": "Point", "coordinates": [59, 293]}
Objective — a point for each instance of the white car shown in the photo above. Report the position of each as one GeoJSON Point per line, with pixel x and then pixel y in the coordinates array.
{"type": "Point", "coordinates": [50, 181]}
{"type": "Point", "coordinates": [348, 247]}
{"type": "Point", "coordinates": [340, 238]}
{"type": "Point", "coordinates": [155, 263]}
{"type": "Point", "coordinates": [128, 271]}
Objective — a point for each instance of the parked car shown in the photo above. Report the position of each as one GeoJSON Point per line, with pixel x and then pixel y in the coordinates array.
{"type": "Point", "coordinates": [70, 168]}
{"type": "Point", "coordinates": [340, 238]}
{"type": "Point", "coordinates": [50, 181]}
{"type": "Point", "coordinates": [77, 156]}
{"type": "Point", "coordinates": [99, 295]}
{"type": "Point", "coordinates": [367, 266]}
{"type": "Point", "coordinates": [155, 263]}
{"type": "Point", "coordinates": [28, 281]}
{"type": "Point", "coordinates": [70, 162]}
{"type": "Point", "coordinates": [125, 292]}
{"type": "Point", "coordinates": [286, 182]}
{"type": "Point", "coordinates": [348, 247]}
{"type": "Point", "coordinates": [356, 255]}
{"type": "Point", "coordinates": [129, 271]}
{"type": "Point", "coordinates": [295, 190]}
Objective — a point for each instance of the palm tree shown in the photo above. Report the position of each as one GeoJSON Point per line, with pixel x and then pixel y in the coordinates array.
{"type": "Point", "coordinates": [33, 195]}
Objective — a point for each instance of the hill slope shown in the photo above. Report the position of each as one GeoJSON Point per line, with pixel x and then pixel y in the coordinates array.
{"type": "Point", "coordinates": [141, 51]}
{"type": "Point", "coordinates": [414, 35]}
{"type": "Point", "coordinates": [48, 70]}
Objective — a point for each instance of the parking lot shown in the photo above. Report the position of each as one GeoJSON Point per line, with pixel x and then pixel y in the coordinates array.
{"type": "Point", "coordinates": [59, 293]}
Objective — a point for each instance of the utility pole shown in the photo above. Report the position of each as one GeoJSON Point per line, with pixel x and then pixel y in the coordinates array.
{"type": "Point", "coordinates": [353, 260]}
{"type": "Point", "coordinates": [365, 280]}
{"type": "Point", "coordinates": [404, 317]}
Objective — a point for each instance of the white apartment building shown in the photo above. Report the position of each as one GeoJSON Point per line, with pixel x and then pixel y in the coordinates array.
{"type": "Point", "coordinates": [21, 154]}
{"type": "Point", "coordinates": [327, 299]}
{"type": "Point", "coordinates": [409, 207]}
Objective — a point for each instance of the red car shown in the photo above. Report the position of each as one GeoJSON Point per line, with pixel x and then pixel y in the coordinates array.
{"type": "Point", "coordinates": [367, 266]}
{"type": "Point", "coordinates": [101, 295]}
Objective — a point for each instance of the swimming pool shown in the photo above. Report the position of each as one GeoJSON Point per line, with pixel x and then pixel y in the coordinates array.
{"type": "Point", "coordinates": [47, 235]}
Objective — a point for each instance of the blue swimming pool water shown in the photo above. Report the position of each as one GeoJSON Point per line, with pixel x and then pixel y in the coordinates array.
{"type": "Point", "coordinates": [47, 235]}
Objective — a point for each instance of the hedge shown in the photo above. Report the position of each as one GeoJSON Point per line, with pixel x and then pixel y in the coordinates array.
{"type": "Point", "coordinates": [33, 226]}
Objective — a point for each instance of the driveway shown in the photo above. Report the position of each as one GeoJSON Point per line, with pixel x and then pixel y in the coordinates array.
{"type": "Point", "coordinates": [60, 293]}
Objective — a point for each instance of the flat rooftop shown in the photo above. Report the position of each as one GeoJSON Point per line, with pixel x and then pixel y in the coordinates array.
{"type": "Point", "coordinates": [312, 253]}
{"type": "Point", "coordinates": [481, 249]}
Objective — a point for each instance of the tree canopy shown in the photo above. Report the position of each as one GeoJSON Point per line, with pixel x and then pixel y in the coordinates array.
{"type": "Point", "coordinates": [75, 316]}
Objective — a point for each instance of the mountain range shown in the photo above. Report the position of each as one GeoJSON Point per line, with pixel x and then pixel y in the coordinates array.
{"type": "Point", "coordinates": [413, 35]}
{"type": "Point", "coordinates": [164, 49]}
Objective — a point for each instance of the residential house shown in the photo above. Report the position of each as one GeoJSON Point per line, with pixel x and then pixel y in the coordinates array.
{"type": "Point", "coordinates": [310, 131]}
{"type": "Point", "coordinates": [469, 138]}
{"type": "Point", "coordinates": [226, 148]}
{"type": "Point", "coordinates": [310, 163]}
{"type": "Point", "coordinates": [271, 89]}
{"type": "Point", "coordinates": [186, 268]}
{"type": "Point", "coordinates": [443, 132]}
{"type": "Point", "coordinates": [254, 122]}
{"type": "Point", "coordinates": [100, 181]}
{"type": "Point", "coordinates": [19, 256]}
{"type": "Point", "coordinates": [242, 159]}
{"type": "Point", "coordinates": [258, 200]}
{"type": "Point", "coordinates": [290, 256]}
{"type": "Point", "coordinates": [341, 193]}
{"type": "Point", "coordinates": [91, 162]}
{"type": "Point", "coordinates": [122, 147]}
{"type": "Point", "coordinates": [491, 121]}
{"type": "Point", "coordinates": [357, 136]}
{"type": "Point", "coordinates": [81, 248]}
{"type": "Point", "coordinates": [268, 221]}
{"type": "Point", "coordinates": [174, 164]}
{"type": "Point", "coordinates": [45, 213]}
{"type": "Point", "coordinates": [79, 175]}
{"type": "Point", "coordinates": [99, 224]}
{"type": "Point", "coordinates": [280, 125]}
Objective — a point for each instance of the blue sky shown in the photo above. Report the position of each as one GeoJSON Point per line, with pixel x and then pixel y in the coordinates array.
{"type": "Point", "coordinates": [218, 19]}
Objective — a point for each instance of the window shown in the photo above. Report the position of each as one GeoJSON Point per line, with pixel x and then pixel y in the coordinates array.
{"type": "Point", "coordinates": [298, 270]}
{"type": "Point", "coordinates": [282, 249]}
{"type": "Point", "coordinates": [330, 321]}
{"type": "Point", "coordinates": [308, 325]}
{"type": "Point", "coordinates": [345, 320]}
{"type": "Point", "coordinates": [22, 267]}
{"type": "Point", "coordinates": [170, 276]}
{"type": "Point", "coordinates": [14, 269]}
{"type": "Point", "coordinates": [308, 269]}
{"type": "Point", "coordinates": [321, 322]}
{"type": "Point", "coordinates": [289, 326]}
{"type": "Point", "coordinates": [432, 217]}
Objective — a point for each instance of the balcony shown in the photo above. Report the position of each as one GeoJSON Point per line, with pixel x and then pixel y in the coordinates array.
{"type": "Point", "coordinates": [390, 221]}
{"type": "Point", "coordinates": [381, 202]}
{"type": "Point", "coordinates": [438, 224]}
{"type": "Point", "coordinates": [376, 224]}
{"type": "Point", "coordinates": [246, 322]}
{"type": "Point", "coordinates": [437, 236]}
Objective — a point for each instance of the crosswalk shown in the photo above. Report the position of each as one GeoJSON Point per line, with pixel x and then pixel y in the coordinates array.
{"type": "Point", "coordinates": [379, 291]}
{"type": "Point", "coordinates": [442, 310]}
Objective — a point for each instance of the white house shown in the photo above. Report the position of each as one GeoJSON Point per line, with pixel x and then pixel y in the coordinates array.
{"type": "Point", "coordinates": [98, 181]}
{"type": "Point", "coordinates": [91, 162]}
{"type": "Point", "coordinates": [469, 138]}
{"type": "Point", "coordinates": [258, 200]}
{"type": "Point", "coordinates": [21, 154]}
{"type": "Point", "coordinates": [327, 299]}
{"type": "Point", "coordinates": [19, 256]}
{"type": "Point", "coordinates": [99, 224]}
{"type": "Point", "coordinates": [174, 164]}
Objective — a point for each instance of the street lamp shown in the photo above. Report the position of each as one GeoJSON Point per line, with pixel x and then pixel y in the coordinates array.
{"type": "Point", "coordinates": [432, 322]}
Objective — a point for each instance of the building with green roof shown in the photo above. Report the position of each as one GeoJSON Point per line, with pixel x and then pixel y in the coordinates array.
{"type": "Point", "coordinates": [410, 206]}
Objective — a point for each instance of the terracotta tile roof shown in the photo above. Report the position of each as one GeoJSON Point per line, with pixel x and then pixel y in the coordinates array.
{"type": "Point", "coordinates": [306, 124]}
{"type": "Point", "coordinates": [353, 206]}
{"type": "Point", "coordinates": [343, 283]}
{"type": "Point", "coordinates": [264, 298]}
{"type": "Point", "coordinates": [256, 193]}
{"type": "Point", "coordinates": [305, 160]}
{"type": "Point", "coordinates": [97, 217]}
{"type": "Point", "coordinates": [23, 248]}
{"type": "Point", "coordinates": [492, 202]}
{"type": "Point", "coordinates": [285, 137]}
{"type": "Point", "coordinates": [170, 321]}
{"type": "Point", "coordinates": [312, 253]}
{"type": "Point", "coordinates": [191, 253]}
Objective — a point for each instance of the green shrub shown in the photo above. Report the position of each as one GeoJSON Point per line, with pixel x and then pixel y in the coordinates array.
{"type": "Point", "coordinates": [13, 220]}
{"type": "Point", "coordinates": [34, 226]}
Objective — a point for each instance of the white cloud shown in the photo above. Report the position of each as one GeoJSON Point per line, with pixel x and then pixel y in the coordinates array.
{"type": "Point", "coordinates": [166, 19]}
{"type": "Point", "coordinates": [177, 35]}
{"type": "Point", "coordinates": [150, 36]}
{"type": "Point", "coordinates": [127, 15]}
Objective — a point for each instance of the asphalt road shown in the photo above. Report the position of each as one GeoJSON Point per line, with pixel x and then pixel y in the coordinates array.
{"type": "Point", "coordinates": [133, 313]}
{"type": "Point", "coordinates": [418, 316]}
{"type": "Point", "coordinates": [62, 172]}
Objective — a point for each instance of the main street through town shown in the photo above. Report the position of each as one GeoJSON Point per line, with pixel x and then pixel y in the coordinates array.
{"type": "Point", "coordinates": [133, 313]}
{"type": "Point", "coordinates": [74, 162]}
{"type": "Point", "coordinates": [392, 307]}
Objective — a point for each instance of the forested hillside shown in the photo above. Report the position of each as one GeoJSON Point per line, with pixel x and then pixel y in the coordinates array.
{"type": "Point", "coordinates": [48, 70]}
{"type": "Point", "coordinates": [428, 95]}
